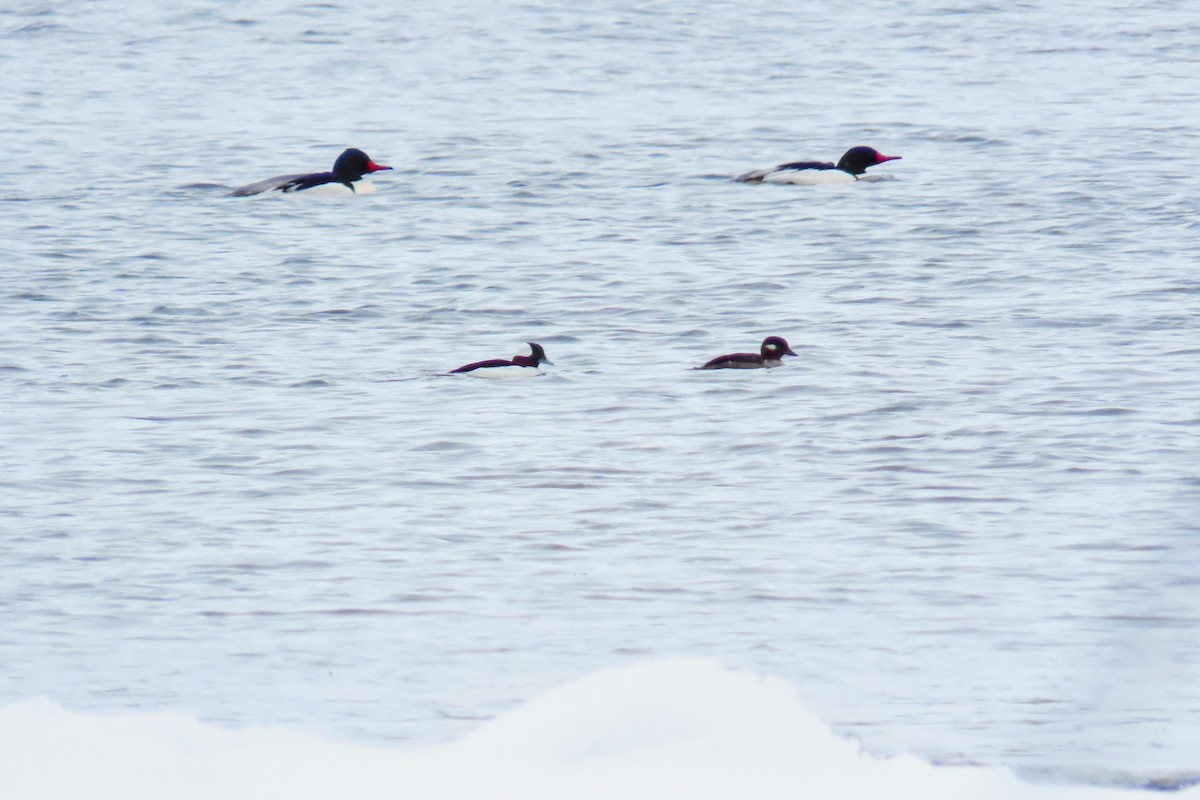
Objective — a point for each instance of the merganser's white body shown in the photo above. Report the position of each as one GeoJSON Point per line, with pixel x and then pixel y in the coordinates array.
{"type": "Point", "coordinates": [820, 173]}
{"type": "Point", "coordinates": [344, 179]}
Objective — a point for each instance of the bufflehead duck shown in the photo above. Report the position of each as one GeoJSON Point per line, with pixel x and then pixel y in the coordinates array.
{"type": "Point", "coordinates": [526, 365]}
{"type": "Point", "coordinates": [774, 348]}
{"type": "Point", "coordinates": [852, 164]}
{"type": "Point", "coordinates": [349, 167]}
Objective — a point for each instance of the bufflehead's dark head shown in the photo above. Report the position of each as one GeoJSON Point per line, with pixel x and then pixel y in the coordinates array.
{"type": "Point", "coordinates": [857, 159]}
{"type": "Point", "coordinates": [538, 354]}
{"type": "Point", "coordinates": [353, 164]}
{"type": "Point", "coordinates": [775, 348]}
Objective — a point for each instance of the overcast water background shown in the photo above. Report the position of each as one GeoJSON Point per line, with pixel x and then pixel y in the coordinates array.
{"type": "Point", "coordinates": [963, 522]}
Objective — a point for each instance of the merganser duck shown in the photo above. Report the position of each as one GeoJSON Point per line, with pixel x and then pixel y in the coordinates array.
{"type": "Point", "coordinates": [810, 173]}
{"type": "Point", "coordinates": [495, 367]}
{"type": "Point", "coordinates": [349, 167]}
{"type": "Point", "coordinates": [774, 348]}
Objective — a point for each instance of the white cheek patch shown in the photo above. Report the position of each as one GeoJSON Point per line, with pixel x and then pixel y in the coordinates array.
{"type": "Point", "coordinates": [772, 347]}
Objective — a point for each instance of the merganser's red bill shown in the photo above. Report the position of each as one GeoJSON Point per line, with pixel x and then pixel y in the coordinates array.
{"type": "Point", "coordinates": [350, 166]}
{"type": "Point", "coordinates": [853, 163]}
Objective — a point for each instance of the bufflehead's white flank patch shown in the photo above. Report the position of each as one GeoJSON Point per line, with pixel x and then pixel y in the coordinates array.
{"type": "Point", "coordinates": [771, 354]}
{"type": "Point", "coordinates": [501, 367]}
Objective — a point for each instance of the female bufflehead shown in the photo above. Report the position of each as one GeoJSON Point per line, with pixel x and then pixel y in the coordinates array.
{"type": "Point", "coordinates": [519, 365]}
{"type": "Point", "coordinates": [349, 167]}
{"type": "Point", "coordinates": [809, 173]}
{"type": "Point", "coordinates": [774, 348]}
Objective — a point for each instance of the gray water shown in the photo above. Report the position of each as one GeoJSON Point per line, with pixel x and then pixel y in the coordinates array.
{"type": "Point", "coordinates": [236, 481]}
